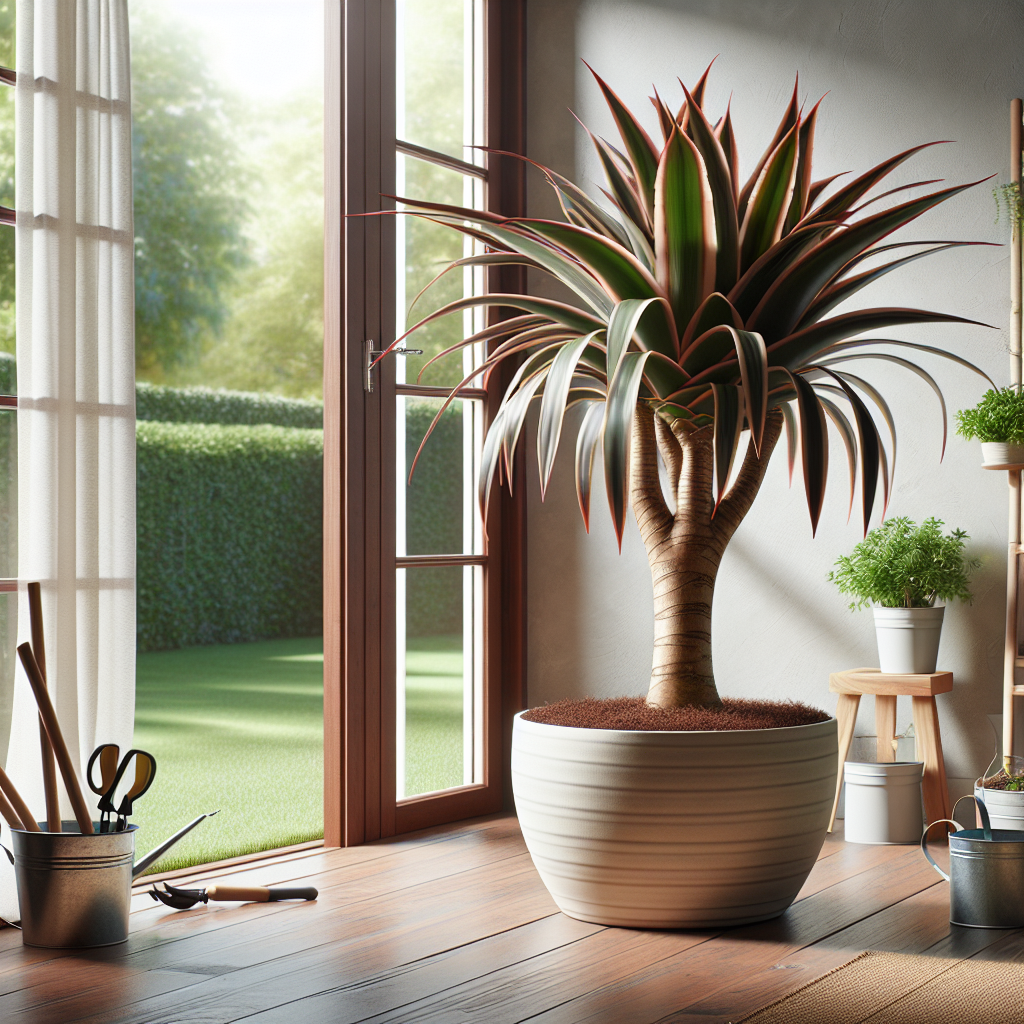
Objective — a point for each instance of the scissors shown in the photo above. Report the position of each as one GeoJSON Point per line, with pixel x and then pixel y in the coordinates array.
{"type": "Point", "coordinates": [111, 773]}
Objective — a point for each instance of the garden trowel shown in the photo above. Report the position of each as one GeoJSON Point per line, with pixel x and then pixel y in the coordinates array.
{"type": "Point", "coordinates": [185, 899]}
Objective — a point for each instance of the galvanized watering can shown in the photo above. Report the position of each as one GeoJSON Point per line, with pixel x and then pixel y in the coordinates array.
{"type": "Point", "coordinates": [986, 873]}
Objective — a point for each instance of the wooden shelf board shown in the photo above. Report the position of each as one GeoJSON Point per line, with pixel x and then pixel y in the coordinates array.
{"type": "Point", "coordinates": [1015, 467]}
{"type": "Point", "coordinates": [1018, 691]}
{"type": "Point", "coordinates": [873, 680]}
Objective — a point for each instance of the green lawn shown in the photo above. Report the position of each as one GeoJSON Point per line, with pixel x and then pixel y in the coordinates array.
{"type": "Point", "coordinates": [433, 714]}
{"type": "Point", "coordinates": [239, 727]}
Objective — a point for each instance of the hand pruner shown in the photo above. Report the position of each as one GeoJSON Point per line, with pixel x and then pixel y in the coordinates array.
{"type": "Point", "coordinates": [111, 774]}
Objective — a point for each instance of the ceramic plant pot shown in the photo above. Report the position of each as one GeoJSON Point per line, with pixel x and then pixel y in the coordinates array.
{"type": "Point", "coordinates": [673, 829]}
{"type": "Point", "coordinates": [908, 638]}
{"type": "Point", "coordinates": [1001, 453]}
{"type": "Point", "coordinates": [883, 802]}
{"type": "Point", "coordinates": [1005, 807]}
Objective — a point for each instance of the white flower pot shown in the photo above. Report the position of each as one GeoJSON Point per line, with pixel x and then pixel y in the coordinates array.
{"type": "Point", "coordinates": [673, 829]}
{"type": "Point", "coordinates": [908, 638]}
{"type": "Point", "coordinates": [1001, 453]}
{"type": "Point", "coordinates": [1005, 807]}
{"type": "Point", "coordinates": [883, 802]}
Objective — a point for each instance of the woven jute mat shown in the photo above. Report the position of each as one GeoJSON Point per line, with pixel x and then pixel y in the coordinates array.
{"type": "Point", "coordinates": [892, 988]}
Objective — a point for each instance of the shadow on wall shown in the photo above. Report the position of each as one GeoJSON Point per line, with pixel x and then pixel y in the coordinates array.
{"type": "Point", "coordinates": [552, 46]}
{"type": "Point", "coordinates": [847, 31]}
{"type": "Point", "coordinates": [969, 648]}
{"type": "Point", "coordinates": [973, 651]}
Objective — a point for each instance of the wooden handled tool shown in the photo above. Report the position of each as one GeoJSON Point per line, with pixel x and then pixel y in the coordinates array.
{"type": "Point", "coordinates": [35, 613]}
{"type": "Point", "coordinates": [184, 899]}
{"type": "Point", "coordinates": [20, 808]}
{"type": "Point", "coordinates": [60, 750]}
{"type": "Point", "coordinates": [258, 894]}
{"type": "Point", "coordinates": [10, 815]}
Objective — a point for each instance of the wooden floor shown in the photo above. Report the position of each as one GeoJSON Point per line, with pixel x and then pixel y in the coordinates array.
{"type": "Point", "coordinates": [453, 925]}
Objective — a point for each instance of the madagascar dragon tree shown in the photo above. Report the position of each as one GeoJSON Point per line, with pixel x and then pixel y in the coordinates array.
{"type": "Point", "coordinates": [701, 311]}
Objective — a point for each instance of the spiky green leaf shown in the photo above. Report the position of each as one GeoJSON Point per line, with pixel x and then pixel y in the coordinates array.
{"type": "Point", "coordinates": [719, 177]}
{"type": "Point", "coordinates": [715, 311]}
{"type": "Point", "coordinates": [769, 202]}
{"type": "Point", "coordinates": [587, 440]}
{"type": "Point", "coordinates": [643, 154]}
{"type": "Point", "coordinates": [786, 301]}
{"type": "Point", "coordinates": [728, 426]}
{"type": "Point", "coordinates": [684, 228]}
{"type": "Point", "coordinates": [799, 348]}
{"type": "Point", "coordinates": [552, 406]}
{"type": "Point", "coordinates": [618, 431]}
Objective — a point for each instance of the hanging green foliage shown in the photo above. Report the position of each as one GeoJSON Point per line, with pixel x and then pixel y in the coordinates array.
{"type": "Point", "coordinates": [1009, 203]}
{"type": "Point", "coordinates": [999, 416]}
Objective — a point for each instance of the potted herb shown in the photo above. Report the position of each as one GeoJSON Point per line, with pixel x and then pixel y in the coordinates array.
{"type": "Point", "coordinates": [701, 308]}
{"type": "Point", "coordinates": [997, 421]}
{"type": "Point", "coordinates": [1001, 789]}
{"type": "Point", "coordinates": [902, 569]}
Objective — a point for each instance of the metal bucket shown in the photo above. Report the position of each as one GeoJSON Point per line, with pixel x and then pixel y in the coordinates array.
{"type": "Point", "coordinates": [1005, 808]}
{"type": "Point", "coordinates": [74, 890]}
{"type": "Point", "coordinates": [986, 873]}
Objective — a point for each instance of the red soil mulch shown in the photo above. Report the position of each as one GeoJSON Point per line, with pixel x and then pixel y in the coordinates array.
{"type": "Point", "coordinates": [635, 713]}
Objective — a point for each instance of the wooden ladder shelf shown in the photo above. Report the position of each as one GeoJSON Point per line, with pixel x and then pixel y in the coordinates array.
{"type": "Point", "coordinates": [1013, 653]}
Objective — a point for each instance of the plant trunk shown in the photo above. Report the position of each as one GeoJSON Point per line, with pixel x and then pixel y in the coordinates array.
{"type": "Point", "coordinates": [685, 549]}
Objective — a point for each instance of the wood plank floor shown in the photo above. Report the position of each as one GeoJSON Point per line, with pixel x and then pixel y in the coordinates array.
{"type": "Point", "coordinates": [453, 924]}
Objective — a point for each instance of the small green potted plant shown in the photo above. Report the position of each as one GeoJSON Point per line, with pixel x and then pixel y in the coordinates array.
{"type": "Point", "coordinates": [997, 421]}
{"type": "Point", "coordinates": [1001, 789]}
{"type": "Point", "coordinates": [902, 569]}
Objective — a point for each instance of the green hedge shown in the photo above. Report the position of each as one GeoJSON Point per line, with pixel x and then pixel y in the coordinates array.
{"type": "Point", "coordinates": [229, 533]}
{"type": "Point", "coordinates": [205, 405]}
{"type": "Point", "coordinates": [434, 520]}
{"type": "Point", "coordinates": [8, 374]}
{"type": "Point", "coordinates": [229, 516]}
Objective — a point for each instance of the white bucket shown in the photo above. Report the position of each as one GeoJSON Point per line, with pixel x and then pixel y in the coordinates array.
{"type": "Point", "coordinates": [883, 802]}
{"type": "Point", "coordinates": [1005, 807]}
{"type": "Point", "coordinates": [908, 638]}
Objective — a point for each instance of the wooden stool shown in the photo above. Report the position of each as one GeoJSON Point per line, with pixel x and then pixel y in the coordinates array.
{"type": "Point", "coordinates": [886, 687]}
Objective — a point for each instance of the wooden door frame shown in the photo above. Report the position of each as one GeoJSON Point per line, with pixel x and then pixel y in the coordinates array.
{"type": "Point", "coordinates": [359, 784]}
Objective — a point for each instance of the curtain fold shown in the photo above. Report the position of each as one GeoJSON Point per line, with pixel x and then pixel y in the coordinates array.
{"type": "Point", "coordinates": [76, 373]}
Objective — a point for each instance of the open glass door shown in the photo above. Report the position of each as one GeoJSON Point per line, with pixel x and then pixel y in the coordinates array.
{"type": "Point", "coordinates": [439, 541]}
{"type": "Point", "coordinates": [423, 607]}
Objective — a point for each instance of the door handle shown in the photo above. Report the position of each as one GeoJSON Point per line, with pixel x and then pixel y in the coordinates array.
{"type": "Point", "coordinates": [370, 354]}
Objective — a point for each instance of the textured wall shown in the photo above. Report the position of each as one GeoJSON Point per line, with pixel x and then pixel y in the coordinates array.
{"type": "Point", "coordinates": [897, 73]}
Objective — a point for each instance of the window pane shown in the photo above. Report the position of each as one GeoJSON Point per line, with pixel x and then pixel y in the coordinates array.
{"type": "Point", "coordinates": [7, 59]}
{"type": "Point", "coordinates": [8, 494]}
{"type": "Point", "coordinates": [437, 512]}
{"type": "Point", "coordinates": [438, 678]}
{"type": "Point", "coordinates": [424, 250]}
{"type": "Point", "coordinates": [437, 87]}
{"type": "Point", "coordinates": [8, 657]}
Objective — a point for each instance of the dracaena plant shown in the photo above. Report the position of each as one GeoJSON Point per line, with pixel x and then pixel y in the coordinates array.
{"type": "Point", "coordinates": [703, 307]}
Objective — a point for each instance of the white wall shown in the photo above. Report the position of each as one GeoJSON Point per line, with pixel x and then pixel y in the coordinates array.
{"type": "Point", "coordinates": [897, 73]}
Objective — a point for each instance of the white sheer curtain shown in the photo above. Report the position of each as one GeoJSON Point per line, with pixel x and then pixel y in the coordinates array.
{"type": "Point", "coordinates": [76, 373]}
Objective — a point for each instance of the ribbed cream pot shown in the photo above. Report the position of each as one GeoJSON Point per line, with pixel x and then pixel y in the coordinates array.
{"type": "Point", "coordinates": [673, 829]}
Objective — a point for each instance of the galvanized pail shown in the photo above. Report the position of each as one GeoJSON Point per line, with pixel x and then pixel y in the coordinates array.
{"type": "Point", "coordinates": [74, 890]}
{"type": "Point", "coordinates": [986, 873]}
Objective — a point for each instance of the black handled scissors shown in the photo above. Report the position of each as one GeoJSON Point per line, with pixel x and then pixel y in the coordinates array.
{"type": "Point", "coordinates": [111, 773]}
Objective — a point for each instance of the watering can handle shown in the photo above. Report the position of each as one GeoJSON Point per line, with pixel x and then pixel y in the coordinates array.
{"type": "Point", "coordinates": [986, 824]}
{"type": "Point", "coordinates": [924, 843]}
{"type": "Point", "coordinates": [986, 821]}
